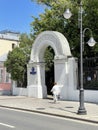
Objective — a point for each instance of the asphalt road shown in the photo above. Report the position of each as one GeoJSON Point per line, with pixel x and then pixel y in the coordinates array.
{"type": "Point", "coordinates": [20, 120]}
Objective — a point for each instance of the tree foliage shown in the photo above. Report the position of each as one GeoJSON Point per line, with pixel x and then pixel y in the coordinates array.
{"type": "Point", "coordinates": [52, 19]}
{"type": "Point", "coordinates": [49, 56]}
{"type": "Point", "coordinates": [17, 60]}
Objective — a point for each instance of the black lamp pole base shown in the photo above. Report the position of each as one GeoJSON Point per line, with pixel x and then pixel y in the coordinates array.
{"type": "Point", "coordinates": [82, 112]}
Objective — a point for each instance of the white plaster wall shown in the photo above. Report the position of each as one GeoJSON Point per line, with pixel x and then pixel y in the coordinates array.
{"type": "Point", "coordinates": [18, 91]}
{"type": "Point", "coordinates": [91, 95]}
{"type": "Point", "coordinates": [32, 91]}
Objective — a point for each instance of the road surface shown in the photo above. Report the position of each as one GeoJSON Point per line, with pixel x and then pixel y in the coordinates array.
{"type": "Point", "coordinates": [21, 120]}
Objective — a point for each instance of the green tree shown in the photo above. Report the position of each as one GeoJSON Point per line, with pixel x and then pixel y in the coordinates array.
{"type": "Point", "coordinates": [52, 19]}
{"type": "Point", "coordinates": [17, 60]}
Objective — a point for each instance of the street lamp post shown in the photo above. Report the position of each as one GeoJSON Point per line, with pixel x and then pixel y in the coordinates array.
{"type": "Point", "coordinates": [67, 14]}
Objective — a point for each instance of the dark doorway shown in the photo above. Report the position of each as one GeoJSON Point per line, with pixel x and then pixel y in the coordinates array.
{"type": "Point", "coordinates": [49, 69]}
{"type": "Point", "coordinates": [49, 78]}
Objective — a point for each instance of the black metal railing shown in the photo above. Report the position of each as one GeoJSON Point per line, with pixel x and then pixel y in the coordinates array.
{"type": "Point", "coordinates": [90, 73]}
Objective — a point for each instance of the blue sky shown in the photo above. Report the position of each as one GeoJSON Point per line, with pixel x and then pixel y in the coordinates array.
{"type": "Point", "coordinates": [16, 15]}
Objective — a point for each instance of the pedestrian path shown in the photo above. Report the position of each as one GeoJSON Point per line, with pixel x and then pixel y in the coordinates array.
{"type": "Point", "coordinates": [66, 109]}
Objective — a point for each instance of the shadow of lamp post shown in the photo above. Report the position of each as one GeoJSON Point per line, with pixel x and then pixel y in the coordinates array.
{"type": "Point", "coordinates": [67, 14]}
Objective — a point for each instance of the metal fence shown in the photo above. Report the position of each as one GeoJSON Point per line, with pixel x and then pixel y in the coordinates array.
{"type": "Point", "coordinates": [90, 73]}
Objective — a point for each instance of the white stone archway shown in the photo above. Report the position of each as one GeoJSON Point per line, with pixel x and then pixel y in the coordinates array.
{"type": "Point", "coordinates": [63, 62]}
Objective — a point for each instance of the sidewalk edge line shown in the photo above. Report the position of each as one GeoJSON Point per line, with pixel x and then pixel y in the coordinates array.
{"type": "Point", "coordinates": [47, 113]}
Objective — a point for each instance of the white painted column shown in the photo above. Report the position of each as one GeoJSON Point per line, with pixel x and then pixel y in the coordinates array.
{"type": "Point", "coordinates": [61, 74]}
{"type": "Point", "coordinates": [73, 92]}
{"type": "Point", "coordinates": [42, 89]}
{"type": "Point", "coordinates": [32, 80]}
{"type": "Point", "coordinates": [36, 80]}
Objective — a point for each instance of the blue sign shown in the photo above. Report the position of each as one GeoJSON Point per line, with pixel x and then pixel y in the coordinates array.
{"type": "Point", "coordinates": [33, 71]}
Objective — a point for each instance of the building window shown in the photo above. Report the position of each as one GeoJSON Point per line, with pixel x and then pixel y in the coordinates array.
{"type": "Point", "coordinates": [13, 45]}
{"type": "Point", "coordinates": [7, 80]}
{"type": "Point", "coordinates": [1, 75]}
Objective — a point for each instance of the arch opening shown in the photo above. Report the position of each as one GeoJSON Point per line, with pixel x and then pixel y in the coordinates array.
{"type": "Point", "coordinates": [49, 68]}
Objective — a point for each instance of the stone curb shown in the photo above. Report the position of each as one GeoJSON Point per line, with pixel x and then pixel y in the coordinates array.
{"type": "Point", "coordinates": [52, 114]}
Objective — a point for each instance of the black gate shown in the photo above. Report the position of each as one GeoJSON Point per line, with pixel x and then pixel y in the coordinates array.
{"type": "Point", "coordinates": [90, 73]}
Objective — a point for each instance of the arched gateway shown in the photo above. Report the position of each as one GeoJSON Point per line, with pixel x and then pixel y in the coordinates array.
{"type": "Point", "coordinates": [63, 64]}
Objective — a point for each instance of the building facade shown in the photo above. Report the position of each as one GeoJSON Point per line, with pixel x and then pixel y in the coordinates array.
{"type": "Point", "coordinates": [8, 40]}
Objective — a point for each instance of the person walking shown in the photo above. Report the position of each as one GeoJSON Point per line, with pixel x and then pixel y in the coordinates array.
{"type": "Point", "coordinates": [56, 92]}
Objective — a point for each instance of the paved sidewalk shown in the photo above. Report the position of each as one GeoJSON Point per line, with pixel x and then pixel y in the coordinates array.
{"type": "Point", "coordinates": [66, 109]}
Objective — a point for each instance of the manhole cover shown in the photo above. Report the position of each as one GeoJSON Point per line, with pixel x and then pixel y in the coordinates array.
{"type": "Point", "coordinates": [69, 107]}
{"type": "Point", "coordinates": [40, 108]}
